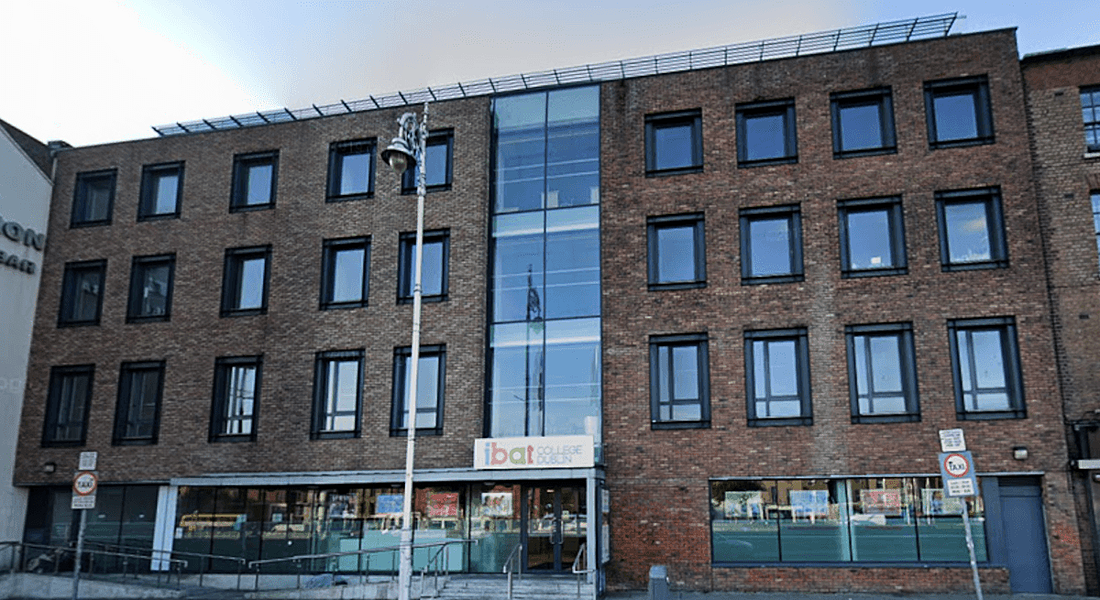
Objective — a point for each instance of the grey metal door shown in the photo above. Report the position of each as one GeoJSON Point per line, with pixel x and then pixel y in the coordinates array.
{"type": "Point", "coordinates": [1025, 535]}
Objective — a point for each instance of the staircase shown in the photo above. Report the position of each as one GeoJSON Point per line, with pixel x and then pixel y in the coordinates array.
{"type": "Point", "coordinates": [531, 587]}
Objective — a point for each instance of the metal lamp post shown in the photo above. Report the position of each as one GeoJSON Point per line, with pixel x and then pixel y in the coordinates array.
{"type": "Point", "coordinates": [406, 151]}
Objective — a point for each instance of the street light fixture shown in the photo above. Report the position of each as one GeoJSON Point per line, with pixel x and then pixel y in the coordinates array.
{"type": "Point", "coordinates": [406, 151]}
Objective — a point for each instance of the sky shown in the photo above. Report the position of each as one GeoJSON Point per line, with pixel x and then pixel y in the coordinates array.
{"type": "Point", "coordinates": [97, 71]}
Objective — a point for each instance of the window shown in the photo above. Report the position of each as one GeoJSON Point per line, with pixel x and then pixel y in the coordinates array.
{"type": "Point", "coordinates": [674, 143]}
{"type": "Point", "coordinates": [1096, 216]}
{"type": "Point", "coordinates": [971, 230]}
{"type": "Point", "coordinates": [344, 273]}
{"type": "Point", "coordinates": [137, 418]}
{"type": "Point", "coordinates": [986, 363]}
{"type": "Point", "coordinates": [771, 245]}
{"type": "Point", "coordinates": [766, 133]}
{"type": "Point", "coordinates": [429, 390]}
{"type": "Point", "coordinates": [67, 405]}
{"type": "Point", "coordinates": [433, 270]}
{"type": "Point", "coordinates": [677, 252]}
{"type": "Point", "coordinates": [872, 237]}
{"type": "Point", "coordinates": [863, 123]}
{"type": "Point", "coordinates": [350, 170]}
{"type": "Point", "coordinates": [439, 150]}
{"type": "Point", "coordinates": [882, 380]}
{"type": "Point", "coordinates": [94, 198]}
{"type": "Point", "coordinates": [161, 188]}
{"type": "Point", "coordinates": [777, 368]}
{"type": "Point", "coordinates": [245, 281]}
{"type": "Point", "coordinates": [151, 288]}
{"type": "Point", "coordinates": [254, 181]}
{"type": "Point", "coordinates": [82, 293]}
{"type": "Point", "coordinates": [1090, 113]}
{"type": "Point", "coordinates": [337, 394]}
{"type": "Point", "coordinates": [236, 397]}
{"type": "Point", "coordinates": [679, 382]}
{"type": "Point", "coordinates": [958, 112]}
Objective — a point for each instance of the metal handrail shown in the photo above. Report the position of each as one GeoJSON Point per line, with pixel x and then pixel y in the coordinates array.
{"type": "Point", "coordinates": [580, 573]}
{"type": "Point", "coordinates": [241, 562]}
{"type": "Point", "coordinates": [434, 560]}
{"type": "Point", "coordinates": [59, 551]}
{"type": "Point", "coordinates": [515, 554]}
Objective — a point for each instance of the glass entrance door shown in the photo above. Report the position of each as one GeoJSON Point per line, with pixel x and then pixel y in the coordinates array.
{"type": "Point", "coordinates": [556, 526]}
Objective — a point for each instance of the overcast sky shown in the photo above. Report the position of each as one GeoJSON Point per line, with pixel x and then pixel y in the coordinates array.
{"type": "Point", "coordinates": [94, 71]}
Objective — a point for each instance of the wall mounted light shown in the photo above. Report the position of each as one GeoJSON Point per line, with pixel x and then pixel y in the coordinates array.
{"type": "Point", "coordinates": [1019, 452]}
{"type": "Point", "coordinates": [49, 467]}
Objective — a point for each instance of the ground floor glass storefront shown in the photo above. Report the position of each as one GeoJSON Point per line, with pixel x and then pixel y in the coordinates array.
{"type": "Point", "coordinates": [880, 520]}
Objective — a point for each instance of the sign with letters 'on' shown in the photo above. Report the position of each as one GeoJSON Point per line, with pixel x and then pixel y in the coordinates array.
{"type": "Point", "coordinates": [552, 452]}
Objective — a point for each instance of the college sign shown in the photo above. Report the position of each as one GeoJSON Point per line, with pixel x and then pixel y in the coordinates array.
{"type": "Point", "coordinates": [20, 235]}
{"type": "Point", "coordinates": [554, 452]}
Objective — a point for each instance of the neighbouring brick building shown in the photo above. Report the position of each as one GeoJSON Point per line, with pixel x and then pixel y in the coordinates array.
{"type": "Point", "coordinates": [708, 310]}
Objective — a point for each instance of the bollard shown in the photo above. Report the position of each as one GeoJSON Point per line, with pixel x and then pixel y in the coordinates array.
{"type": "Point", "coordinates": [658, 582]}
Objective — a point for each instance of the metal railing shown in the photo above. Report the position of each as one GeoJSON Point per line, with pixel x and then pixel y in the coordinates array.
{"type": "Point", "coordinates": [582, 574]}
{"type": "Point", "coordinates": [44, 558]}
{"type": "Point", "coordinates": [515, 555]}
{"type": "Point", "coordinates": [202, 559]}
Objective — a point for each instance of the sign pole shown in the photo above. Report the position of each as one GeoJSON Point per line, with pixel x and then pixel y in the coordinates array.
{"type": "Point", "coordinates": [79, 551]}
{"type": "Point", "coordinates": [969, 546]}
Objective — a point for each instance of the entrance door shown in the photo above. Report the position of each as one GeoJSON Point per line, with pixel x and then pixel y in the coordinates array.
{"type": "Point", "coordinates": [1025, 535]}
{"type": "Point", "coordinates": [556, 526]}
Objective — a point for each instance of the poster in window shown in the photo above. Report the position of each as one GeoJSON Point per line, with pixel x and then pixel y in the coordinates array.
{"type": "Point", "coordinates": [935, 502]}
{"type": "Point", "coordinates": [390, 504]}
{"type": "Point", "coordinates": [744, 505]}
{"type": "Point", "coordinates": [809, 503]}
{"type": "Point", "coordinates": [881, 502]}
{"type": "Point", "coordinates": [443, 504]}
{"type": "Point", "coordinates": [496, 504]}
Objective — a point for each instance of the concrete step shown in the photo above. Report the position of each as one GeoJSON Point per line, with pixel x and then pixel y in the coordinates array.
{"type": "Point", "coordinates": [528, 588]}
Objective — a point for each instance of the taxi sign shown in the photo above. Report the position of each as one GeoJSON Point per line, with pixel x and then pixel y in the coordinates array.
{"type": "Point", "coordinates": [85, 484]}
{"type": "Point", "coordinates": [957, 471]}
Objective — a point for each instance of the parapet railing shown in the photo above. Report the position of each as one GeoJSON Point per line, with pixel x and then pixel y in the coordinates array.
{"type": "Point", "coordinates": [44, 558]}
{"type": "Point", "coordinates": [202, 559]}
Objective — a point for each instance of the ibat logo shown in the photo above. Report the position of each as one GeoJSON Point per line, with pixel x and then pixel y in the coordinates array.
{"type": "Point", "coordinates": [498, 455]}
{"type": "Point", "coordinates": [534, 452]}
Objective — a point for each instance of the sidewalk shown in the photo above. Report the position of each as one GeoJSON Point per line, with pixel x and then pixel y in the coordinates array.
{"type": "Point", "coordinates": [674, 595]}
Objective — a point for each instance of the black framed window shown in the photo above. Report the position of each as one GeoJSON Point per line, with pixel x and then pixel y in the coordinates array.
{"type": "Point", "coordinates": [882, 373]}
{"type": "Point", "coordinates": [337, 394]}
{"type": "Point", "coordinates": [137, 418]}
{"type": "Point", "coordinates": [766, 133]}
{"type": "Point", "coordinates": [872, 237]}
{"type": "Point", "coordinates": [1090, 114]}
{"type": "Point", "coordinates": [1095, 195]}
{"type": "Point", "coordinates": [863, 123]}
{"type": "Point", "coordinates": [94, 198]}
{"type": "Point", "coordinates": [679, 381]}
{"type": "Point", "coordinates": [777, 369]}
{"type": "Point", "coordinates": [958, 112]}
{"type": "Point", "coordinates": [151, 288]}
{"type": "Point", "coordinates": [771, 244]}
{"type": "Point", "coordinates": [674, 143]}
{"type": "Point", "coordinates": [430, 377]}
{"type": "Point", "coordinates": [350, 170]}
{"type": "Point", "coordinates": [255, 178]}
{"type": "Point", "coordinates": [433, 272]}
{"type": "Point", "coordinates": [82, 293]}
{"type": "Point", "coordinates": [236, 398]}
{"type": "Point", "coordinates": [161, 190]}
{"type": "Point", "coordinates": [986, 365]}
{"type": "Point", "coordinates": [440, 152]}
{"type": "Point", "coordinates": [677, 252]}
{"type": "Point", "coordinates": [67, 405]}
{"type": "Point", "coordinates": [345, 273]}
{"type": "Point", "coordinates": [971, 229]}
{"type": "Point", "coordinates": [245, 281]}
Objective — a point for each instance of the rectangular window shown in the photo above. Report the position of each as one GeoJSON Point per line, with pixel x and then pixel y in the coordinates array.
{"type": "Point", "coordinates": [94, 198]}
{"type": "Point", "coordinates": [151, 288]}
{"type": "Point", "coordinates": [1090, 114]}
{"type": "Point", "coordinates": [882, 381]}
{"type": "Point", "coordinates": [986, 362]}
{"type": "Point", "coordinates": [439, 150]}
{"type": "Point", "coordinates": [863, 123]}
{"type": "Point", "coordinates": [771, 245]}
{"type": "Point", "coordinates": [958, 112]}
{"type": "Point", "coordinates": [429, 390]}
{"type": "Point", "coordinates": [245, 281]}
{"type": "Point", "coordinates": [350, 170]}
{"type": "Point", "coordinates": [67, 405]}
{"type": "Point", "coordinates": [777, 368]}
{"type": "Point", "coordinates": [433, 270]}
{"type": "Point", "coordinates": [137, 418]}
{"type": "Point", "coordinates": [766, 133]}
{"type": "Point", "coordinates": [679, 382]}
{"type": "Point", "coordinates": [822, 520]}
{"type": "Point", "coordinates": [236, 398]}
{"type": "Point", "coordinates": [161, 189]}
{"type": "Point", "coordinates": [677, 252]}
{"type": "Point", "coordinates": [254, 181]}
{"type": "Point", "coordinates": [337, 394]}
{"type": "Point", "coordinates": [971, 229]}
{"type": "Point", "coordinates": [674, 143]}
{"type": "Point", "coordinates": [872, 237]}
{"type": "Point", "coordinates": [1096, 217]}
{"type": "Point", "coordinates": [345, 272]}
{"type": "Point", "coordinates": [82, 293]}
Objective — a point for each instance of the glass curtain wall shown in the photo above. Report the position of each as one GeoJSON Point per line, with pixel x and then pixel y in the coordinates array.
{"type": "Point", "coordinates": [544, 370]}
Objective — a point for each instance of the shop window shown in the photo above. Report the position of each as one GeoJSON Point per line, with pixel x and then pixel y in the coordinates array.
{"type": "Point", "coordinates": [958, 112]}
{"type": "Point", "coordinates": [350, 170]}
{"type": "Point", "coordinates": [94, 198]}
{"type": "Point", "coordinates": [766, 134]}
{"type": "Point", "coordinates": [433, 270]}
{"type": "Point", "coordinates": [254, 181]}
{"type": "Point", "coordinates": [151, 288]}
{"type": "Point", "coordinates": [679, 382]}
{"type": "Point", "coordinates": [137, 418]}
{"type": "Point", "coordinates": [430, 378]}
{"type": "Point", "coordinates": [677, 252]}
{"type": "Point", "coordinates": [674, 143]}
{"type": "Point", "coordinates": [1090, 113]}
{"type": "Point", "coordinates": [777, 367]}
{"type": "Point", "coordinates": [872, 237]}
{"type": "Point", "coordinates": [345, 272]}
{"type": "Point", "coordinates": [82, 293]}
{"type": "Point", "coordinates": [337, 394]}
{"type": "Point", "coordinates": [863, 123]}
{"type": "Point", "coordinates": [986, 363]}
{"type": "Point", "coordinates": [971, 230]}
{"type": "Point", "coordinates": [771, 245]}
{"type": "Point", "coordinates": [67, 405]}
{"type": "Point", "coordinates": [440, 151]}
{"type": "Point", "coordinates": [161, 189]}
{"type": "Point", "coordinates": [245, 281]}
{"type": "Point", "coordinates": [882, 378]}
{"type": "Point", "coordinates": [236, 398]}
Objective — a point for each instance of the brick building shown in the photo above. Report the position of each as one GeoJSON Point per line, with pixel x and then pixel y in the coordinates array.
{"type": "Point", "coordinates": [706, 310]}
